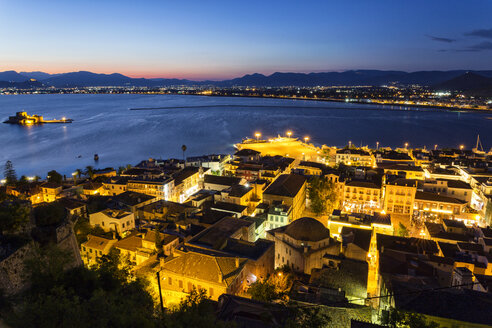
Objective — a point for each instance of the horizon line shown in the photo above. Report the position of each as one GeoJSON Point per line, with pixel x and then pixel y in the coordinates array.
{"type": "Point", "coordinates": [217, 79]}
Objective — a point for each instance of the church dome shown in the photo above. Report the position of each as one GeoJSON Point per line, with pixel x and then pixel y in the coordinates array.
{"type": "Point", "coordinates": [307, 229]}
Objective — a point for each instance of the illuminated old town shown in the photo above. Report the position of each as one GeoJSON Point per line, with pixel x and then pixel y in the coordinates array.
{"type": "Point", "coordinates": [347, 230]}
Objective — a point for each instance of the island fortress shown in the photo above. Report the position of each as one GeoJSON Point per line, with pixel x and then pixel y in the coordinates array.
{"type": "Point", "coordinates": [23, 119]}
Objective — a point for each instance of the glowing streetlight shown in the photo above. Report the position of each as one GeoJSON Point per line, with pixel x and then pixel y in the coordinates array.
{"type": "Point", "coordinates": [289, 133]}
{"type": "Point", "coordinates": [377, 145]}
{"type": "Point", "coordinates": [306, 139]}
{"type": "Point", "coordinates": [257, 135]}
{"type": "Point", "coordinates": [406, 145]}
{"type": "Point", "coordinates": [350, 143]}
{"type": "Point", "coordinates": [462, 147]}
{"type": "Point", "coordinates": [435, 147]}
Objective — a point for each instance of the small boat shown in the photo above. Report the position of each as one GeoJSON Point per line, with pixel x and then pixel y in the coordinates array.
{"type": "Point", "coordinates": [478, 148]}
{"type": "Point", "coordinates": [96, 157]}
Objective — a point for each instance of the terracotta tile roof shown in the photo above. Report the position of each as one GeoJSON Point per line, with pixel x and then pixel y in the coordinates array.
{"type": "Point", "coordinates": [204, 267]}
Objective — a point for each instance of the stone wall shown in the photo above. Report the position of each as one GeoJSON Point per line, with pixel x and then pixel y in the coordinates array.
{"type": "Point", "coordinates": [12, 279]}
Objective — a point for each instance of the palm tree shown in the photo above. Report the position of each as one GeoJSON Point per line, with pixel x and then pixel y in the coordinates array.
{"type": "Point", "coordinates": [89, 170]}
{"type": "Point", "coordinates": [183, 148]}
{"type": "Point", "coordinates": [76, 175]}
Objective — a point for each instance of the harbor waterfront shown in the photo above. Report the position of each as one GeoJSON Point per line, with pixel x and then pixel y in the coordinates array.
{"type": "Point", "coordinates": [104, 125]}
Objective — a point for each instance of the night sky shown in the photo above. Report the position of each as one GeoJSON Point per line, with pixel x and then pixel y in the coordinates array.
{"type": "Point", "coordinates": [223, 39]}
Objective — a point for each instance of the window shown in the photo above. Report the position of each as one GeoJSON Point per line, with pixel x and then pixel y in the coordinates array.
{"type": "Point", "coordinates": [170, 281]}
{"type": "Point", "coordinates": [181, 284]}
{"type": "Point", "coordinates": [83, 247]}
{"type": "Point", "coordinates": [211, 292]}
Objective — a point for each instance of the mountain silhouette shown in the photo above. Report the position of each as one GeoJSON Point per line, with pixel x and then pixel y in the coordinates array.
{"type": "Point", "coordinates": [278, 79]}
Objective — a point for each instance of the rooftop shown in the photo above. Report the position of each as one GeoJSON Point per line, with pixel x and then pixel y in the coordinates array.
{"type": "Point", "coordinates": [428, 196]}
{"type": "Point", "coordinates": [287, 185]}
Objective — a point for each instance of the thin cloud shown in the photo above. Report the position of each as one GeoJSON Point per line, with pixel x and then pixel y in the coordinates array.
{"type": "Point", "coordinates": [482, 46]}
{"type": "Point", "coordinates": [440, 39]}
{"type": "Point", "coordinates": [482, 33]}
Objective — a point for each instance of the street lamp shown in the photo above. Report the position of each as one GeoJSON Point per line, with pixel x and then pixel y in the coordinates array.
{"type": "Point", "coordinates": [350, 143]}
{"type": "Point", "coordinates": [377, 145]}
{"type": "Point", "coordinates": [289, 133]}
{"type": "Point", "coordinates": [435, 147]}
{"type": "Point", "coordinates": [257, 135]}
{"type": "Point", "coordinates": [306, 139]}
{"type": "Point", "coordinates": [461, 147]}
{"type": "Point", "coordinates": [406, 145]}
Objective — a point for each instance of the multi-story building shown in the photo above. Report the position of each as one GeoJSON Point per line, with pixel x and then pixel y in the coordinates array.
{"type": "Point", "coordinates": [278, 215]}
{"type": "Point", "coordinates": [399, 196]}
{"type": "Point", "coordinates": [161, 188]}
{"type": "Point", "coordinates": [432, 204]}
{"type": "Point", "coordinates": [289, 189]}
{"type": "Point", "coordinates": [186, 183]}
{"type": "Point", "coordinates": [113, 220]}
{"type": "Point", "coordinates": [216, 163]}
{"type": "Point", "coordinates": [352, 156]}
{"type": "Point", "coordinates": [405, 171]}
{"type": "Point", "coordinates": [361, 196]}
{"type": "Point", "coordinates": [94, 248]}
{"type": "Point", "coordinates": [50, 191]}
{"type": "Point", "coordinates": [452, 188]}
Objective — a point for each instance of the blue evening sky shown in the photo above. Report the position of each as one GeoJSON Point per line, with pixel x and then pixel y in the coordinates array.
{"type": "Point", "coordinates": [222, 39]}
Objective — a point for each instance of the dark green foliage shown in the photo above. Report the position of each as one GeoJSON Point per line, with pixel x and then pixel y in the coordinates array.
{"type": "Point", "coordinates": [264, 291]}
{"type": "Point", "coordinates": [307, 316]}
{"type": "Point", "coordinates": [89, 170]}
{"type": "Point", "coordinates": [9, 173]}
{"type": "Point", "coordinates": [401, 319]}
{"type": "Point", "coordinates": [102, 297]}
{"type": "Point", "coordinates": [48, 214]}
{"type": "Point", "coordinates": [82, 229]}
{"type": "Point", "coordinates": [196, 310]}
{"type": "Point", "coordinates": [55, 177]}
{"type": "Point", "coordinates": [402, 230]}
{"type": "Point", "coordinates": [14, 214]}
{"type": "Point", "coordinates": [323, 195]}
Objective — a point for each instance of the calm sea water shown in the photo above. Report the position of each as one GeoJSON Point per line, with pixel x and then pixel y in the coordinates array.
{"type": "Point", "coordinates": [103, 124]}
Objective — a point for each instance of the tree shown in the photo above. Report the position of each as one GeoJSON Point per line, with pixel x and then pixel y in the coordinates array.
{"type": "Point", "coordinates": [105, 296]}
{"type": "Point", "coordinates": [323, 195]}
{"type": "Point", "coordinates": [183, 148]}
{"type": "Point", "coordinates": [49, 214]}
{"type": "Point", "coordinates": [307, 316]}
{"type": "Point", "coordinates": [89, 170]}
{"type": "Point", "coordinates": [264, 291]}
{"type": "Point", "coordinates": [77, 174]}
{"type": "Point", "coordinates": [196, 310]}
{"type": "Point", "coordinates": [402, 319]}
{"type": "Point", "coordinates": [55, 177]}
{"type": "Point", "coordinates": [402, 230]}
{"type": "Point", "coordinates": [14, 215]}
{"type": "Point", "coordinates": [9, 173]}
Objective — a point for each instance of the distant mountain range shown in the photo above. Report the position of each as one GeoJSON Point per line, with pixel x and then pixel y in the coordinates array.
{"type": "Point", "coordinates": [449, 80]}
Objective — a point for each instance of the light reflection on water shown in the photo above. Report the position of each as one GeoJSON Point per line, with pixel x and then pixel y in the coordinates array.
{"type": "Point", "coordinates": [103, 124]}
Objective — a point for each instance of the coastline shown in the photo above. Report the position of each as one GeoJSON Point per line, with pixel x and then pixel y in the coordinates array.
{"type": "Point", "coordinates": [385, 106]}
